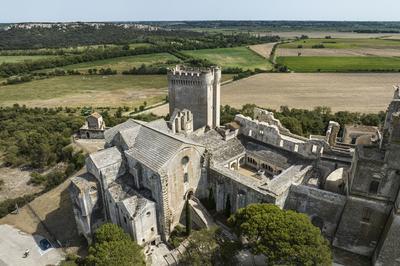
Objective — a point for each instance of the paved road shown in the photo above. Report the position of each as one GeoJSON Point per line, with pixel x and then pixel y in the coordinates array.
{"type": "Point", "coordinates": [14, 242]}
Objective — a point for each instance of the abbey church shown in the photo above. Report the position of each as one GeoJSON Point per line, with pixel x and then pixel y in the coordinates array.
{"type": "Point", "coordinates": [146, 172]}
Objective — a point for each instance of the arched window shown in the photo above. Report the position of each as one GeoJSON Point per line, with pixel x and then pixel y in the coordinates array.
{"type": "Point", "coordinates": [373, 187]}
{"type": "Point", "coordinates": [185, 160]}
{"type": "Point", "coordinates": [186, 177]}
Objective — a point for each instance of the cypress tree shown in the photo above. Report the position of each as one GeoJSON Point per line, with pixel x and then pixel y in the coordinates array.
{"type": "Point", "coordinates": [188, 219]}
{"type": "Point", "coordinates": [228, 206]}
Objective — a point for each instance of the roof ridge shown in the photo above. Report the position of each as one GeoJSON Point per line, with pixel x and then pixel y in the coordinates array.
{"type": "Point", "coordinates": [184, 140]}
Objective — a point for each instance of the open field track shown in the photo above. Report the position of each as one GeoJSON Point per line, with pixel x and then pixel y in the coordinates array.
{"type": "Point", "coordinates": [241, 57]}
{"type": "Point", "coordinates": [339, 52]}
{"type": "Point", "coordinates": [368, 93]}
{"type": "Point", "coordinates": [263, 49]}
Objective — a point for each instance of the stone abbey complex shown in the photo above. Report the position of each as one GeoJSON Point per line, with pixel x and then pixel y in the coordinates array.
{"type": "Point", "coordinates": [143, 177]}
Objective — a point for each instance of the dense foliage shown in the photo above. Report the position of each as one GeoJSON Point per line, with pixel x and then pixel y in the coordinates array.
{"type": "Point", "coordinates": [35, 136]}
{"type": "Point", "coordinates": [284, 237]}
{"type": "Point", "coordinates": [113, 247]}
{"type": "Point", "coordinates": [305, 122]}
{"type": "Point", "coordinates": [206, 247]}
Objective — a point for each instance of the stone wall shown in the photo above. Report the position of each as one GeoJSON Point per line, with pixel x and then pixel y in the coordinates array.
{"type": "Point", "coordinates": [361, 225]}
{"type": "Point", "coordinates": [323, 207]}
{"type": "Point", "coordinates": [270, 134]}
{"type": "Point", "coordinates": [388, 251]}
{"type": "Point", "coordinates": [240, 195]}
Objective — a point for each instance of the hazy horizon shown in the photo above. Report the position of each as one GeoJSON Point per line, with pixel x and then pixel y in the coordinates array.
{"type": "Point", "coordinates": [19, 11]}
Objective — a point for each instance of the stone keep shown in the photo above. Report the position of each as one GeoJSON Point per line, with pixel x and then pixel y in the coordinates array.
{"type": "Point", "coordinates": [197, 90]}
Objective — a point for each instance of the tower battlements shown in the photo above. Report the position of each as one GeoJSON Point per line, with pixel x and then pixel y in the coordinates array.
{"type": "Point", "coordinates": [183, 71]}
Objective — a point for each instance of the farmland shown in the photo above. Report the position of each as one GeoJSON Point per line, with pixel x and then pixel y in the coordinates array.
{"type": "Point", "coordinates": [342, 43]}
{"type": "Point", "coordinates": [241, 57]}
{"type": "Point", "coordinates": [263, 49]}
{"type": "Point", "coordinates": [94, 90]}
{"type": "Point", "coordinates": [22, 58]}
{"type": "Point", "coordinates": [125, 63]}
{"type": "Point", "coordinates": [340, 64]}
{"type": "Point", "coordinates": [369, 93]}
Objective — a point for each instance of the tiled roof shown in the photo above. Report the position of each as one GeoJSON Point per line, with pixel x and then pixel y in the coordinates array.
{"type": "Point", "coordinates": [106, 157]}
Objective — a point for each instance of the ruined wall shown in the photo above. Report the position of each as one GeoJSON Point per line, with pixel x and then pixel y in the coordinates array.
{"type": "Point", "coordinates": [323, 207]}
{"type": "Point", "coordinates": [271, 135]}
{"type": "Point", "coordinates": [368, 170]}
{"type": "Point", "coordinates": [240, 195]}
{"type": "Point", "coordinates": [361, 225]}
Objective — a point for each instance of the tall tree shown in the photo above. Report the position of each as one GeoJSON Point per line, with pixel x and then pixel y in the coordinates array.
{"type": "Point", "coordinates": [112, 246]}
{"type": "Point", "coordinates": [284, 237]}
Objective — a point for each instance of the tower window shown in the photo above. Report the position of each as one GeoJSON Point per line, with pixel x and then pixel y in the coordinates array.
{"type": "Point", "coordinates": [373, 187]}
{"type": "Point", "coordinates": [366, 215]}
{"type": "Point", "coordinates": [185, 160]}
{"type": "Point", "coordinates": [186, 177]}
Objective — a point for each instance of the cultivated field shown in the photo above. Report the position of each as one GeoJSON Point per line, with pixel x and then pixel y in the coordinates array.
{"type": "Point", "coordinates": [263, 49]}
{"type": "Point", "coordinates": [22, 58]}
{"type": "Point", "coordinates": [333, 34]}
{"type": "Point", "coordinates": [340, 64]}
{"type": "Point", "coordinates": [124, 63]}
{"type": "Point", "coordinates": [343, 43]}
{"type": "Point", "coordinates": [339, 52]}
{"type": "Point", "coordinates": [369, 93]}
{"type": "Point", "coordinates": [232, 57]}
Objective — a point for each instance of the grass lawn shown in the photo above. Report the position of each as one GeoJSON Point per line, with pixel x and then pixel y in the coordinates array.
{"type": "Point", "coordinates": [344, 43]}
{"type": "Point", "coordinates": [339, 64]}
{"type": "Point", "coordinates": [232, 57]}
{"type": "Point", "coordinates": [122, 63]}
{"type": "Point", "coordinates": [22, 58]}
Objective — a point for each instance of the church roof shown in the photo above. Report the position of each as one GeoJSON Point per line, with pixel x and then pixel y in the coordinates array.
{"type": "Point", "coordinates": [106, 157]}
{"type": "Point", "coordinates": [154, 147]}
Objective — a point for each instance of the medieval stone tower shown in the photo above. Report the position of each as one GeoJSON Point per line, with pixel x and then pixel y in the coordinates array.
{"type": "Point", "coordinates": [197, 90]}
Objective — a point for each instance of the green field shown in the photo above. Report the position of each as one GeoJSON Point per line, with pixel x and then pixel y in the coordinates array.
{"type": "Point", "coordinates": [124, 63]}
{"type": "Point", "coordinates": [344, 43]}
{"type": "Point", "coordinates": [232, 57]}
{"type": "Point", "coordinates": [340, 64]}
{"type": "Point", "coordinates": [22, 58]}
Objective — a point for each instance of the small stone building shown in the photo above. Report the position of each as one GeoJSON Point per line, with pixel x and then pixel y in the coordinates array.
{"type": "Point", "coordinates": [94, 127]}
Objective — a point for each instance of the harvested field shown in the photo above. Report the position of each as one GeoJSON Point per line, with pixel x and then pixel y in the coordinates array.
{"type": "Point", "coordinates": [339, 52]}
{"type": "Point", "coordinates": [367, 93]}
{"type": "Point", "coordinates": [74, 91]}
{"type": "Point", "coordinates": [263, 49]}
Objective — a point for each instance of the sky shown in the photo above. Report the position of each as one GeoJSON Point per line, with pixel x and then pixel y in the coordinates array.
{"type": "Point", "coordinates": [145, 10]}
